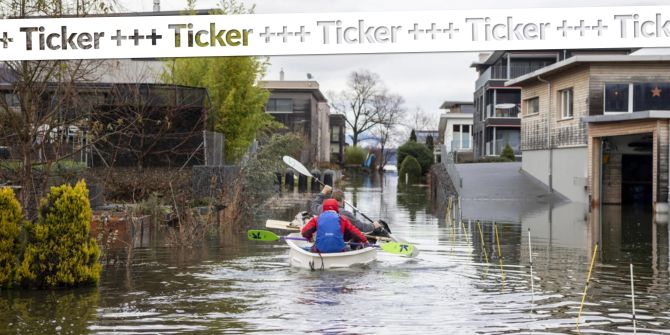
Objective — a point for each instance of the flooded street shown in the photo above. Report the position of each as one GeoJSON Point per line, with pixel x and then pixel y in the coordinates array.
{"type": "Point", "coordinates": [455, 285]}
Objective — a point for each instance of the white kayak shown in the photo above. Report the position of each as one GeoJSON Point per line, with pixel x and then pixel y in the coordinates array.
{"type": "Point", "coordinates": [301, 258]}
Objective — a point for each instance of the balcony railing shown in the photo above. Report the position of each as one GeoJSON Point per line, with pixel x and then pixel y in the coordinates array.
{"type": "Point", "coordinates": [499, 72]}
{"type": "Point", "coordinates": [503, 112]}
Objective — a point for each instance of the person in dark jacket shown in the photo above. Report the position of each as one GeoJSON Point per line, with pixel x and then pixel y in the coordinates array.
{"type": "Point", "coordinates": [332, 230]}
{"type": "Point", "coordinates": [364, 226]}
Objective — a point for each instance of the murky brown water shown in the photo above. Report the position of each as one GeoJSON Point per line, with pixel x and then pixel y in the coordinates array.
{"type": "Point", "coordinates": [243, 287]}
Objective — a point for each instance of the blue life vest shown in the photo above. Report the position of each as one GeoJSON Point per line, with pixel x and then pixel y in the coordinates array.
{"type": "Point", "coordinates": [329, 236]}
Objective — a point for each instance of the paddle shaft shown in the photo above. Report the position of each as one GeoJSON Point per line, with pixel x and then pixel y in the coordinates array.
{"type": "Point", "coordinates": [302, 170]}
{"type": "Point", "coordinates": [350, 243]}
{"type": "Point", "coordinates": [346, 202]}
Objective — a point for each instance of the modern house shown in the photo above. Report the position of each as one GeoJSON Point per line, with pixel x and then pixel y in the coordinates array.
{"type": "Point", "coordinates": [338, 129]}
{"type": "Point", "coordinates": [455, 129]}
{"type": "Point", "coordinates": [596, 129]}
{"type": "Point", "coordinates": [302, 108]}
{"type": "Point", "coordinates": [497, 104]}
{"type": "Point", "coordinates": [110, 123]}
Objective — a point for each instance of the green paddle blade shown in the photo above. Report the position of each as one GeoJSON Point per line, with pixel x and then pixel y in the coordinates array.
{"type": "Point", "coordinates": [261, 235]}
{"type": "Point", "coordinates": [398, 248]}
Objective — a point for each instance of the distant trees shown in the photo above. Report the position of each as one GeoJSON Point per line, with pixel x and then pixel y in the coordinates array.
{"type": "Point", "coordinates": [419, 151]}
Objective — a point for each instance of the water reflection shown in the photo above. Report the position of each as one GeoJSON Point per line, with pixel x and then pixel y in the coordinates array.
{"type": "Point", "coordinates": [456, 285]}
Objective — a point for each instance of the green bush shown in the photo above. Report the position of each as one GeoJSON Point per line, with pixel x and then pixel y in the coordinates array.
{"type": "Point", "coordinates": [507, 153]}
{"type": "Point", "coordinates": [60, 252]}
{"type": "Point", "coordinates": [354, 155]}
{"type": "Point", "coordinates": [410, 166]}
{"type": "Point", "coordinates": [419, 151]}
{"type": "Point", "coordinates": [11, 220]}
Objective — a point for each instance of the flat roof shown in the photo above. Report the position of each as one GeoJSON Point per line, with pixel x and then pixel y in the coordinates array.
{"type": "Point", "coordinates": [294, 85]}
{"type": "Point", "coordinates": [448, 103]}
{"type": "Point", "coordinates": [585, 59]}
{"type": "Point", "coordinates": [619, 117]}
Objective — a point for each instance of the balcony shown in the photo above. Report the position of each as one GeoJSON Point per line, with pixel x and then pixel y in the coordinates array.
{"type": "Point", "coordinates": [503, 111]}
{"type": "Point", "coordinates": [499, 72]}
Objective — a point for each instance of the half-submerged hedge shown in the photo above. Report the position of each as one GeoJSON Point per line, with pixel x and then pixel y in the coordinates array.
{"type": "Point", "coordinates": [58, 251]}
{"type": "Point", "coordinates": [11, 222]}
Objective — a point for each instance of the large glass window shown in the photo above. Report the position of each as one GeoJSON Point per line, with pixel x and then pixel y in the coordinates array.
{"type": "Point", "coordinates": [280, 105]}
{"type": "Point", "coordinates": [651, 96]}
{"type": "Point", "coordinates": [507, 136]}
{"type": "Point", "coordinates": [566, 103]}
{"type": "Point", "coordinates": [616, 98]}
{"type": "Point", "coordinates": [466, 136]}
{"type": "Point", "coordinates": [456, 137]}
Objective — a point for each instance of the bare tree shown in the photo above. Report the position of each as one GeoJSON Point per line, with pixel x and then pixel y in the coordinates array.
{"type": "Point", "coordinates": [389, 109]}
{"type": "Point", "coordinates": [42, 111]}
{"type": "Point", "coordinates": [357, 102]}
{"type": "Point", "coordinates": [421, 120]}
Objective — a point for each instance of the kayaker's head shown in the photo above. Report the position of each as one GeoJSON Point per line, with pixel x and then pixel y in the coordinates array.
{"type": "Point", "coordinates": [338, 195]}
{"type": "Point", "coordinates": [330, 205]}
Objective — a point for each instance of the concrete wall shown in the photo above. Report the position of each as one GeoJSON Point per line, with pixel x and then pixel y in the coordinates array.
{"type": "Point", "coordinates": [570, 173]}
{"type": "Point", "coordinates": [536, 164]}
{"type": "Point", "coordinates": [569, 170]}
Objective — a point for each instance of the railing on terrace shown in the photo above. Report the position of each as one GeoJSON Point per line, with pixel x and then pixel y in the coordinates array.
{"type": "Point", "coordinates": [503, 112]}
{"type": "Point", "coordinates": [449, 161]}
{"type": "Point", "coordinates": [499, 72]}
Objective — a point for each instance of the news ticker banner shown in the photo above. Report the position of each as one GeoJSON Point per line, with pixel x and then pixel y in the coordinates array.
{"type": "Point", "coordinates": [334, 33]}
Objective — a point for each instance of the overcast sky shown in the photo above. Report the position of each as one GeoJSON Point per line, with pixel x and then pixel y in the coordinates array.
{"type": "Point", "coordinates": [424, 80]}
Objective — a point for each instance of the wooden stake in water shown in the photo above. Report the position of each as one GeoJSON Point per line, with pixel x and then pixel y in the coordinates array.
{"type": "Point", "coordinates": [632, 297]}
{"type": "Point", "coordinates": [481, 236]}
{"type": "Point", "coordinates": [532, 281]}
{"type": "Point", "coordinates": [460, 210]}
{"type": "Point", "coordinates": [467, 238]}
{"type": "Point", "coordinates": [588, 279]}
{"type": "Point", "coordinates": [502, 272]}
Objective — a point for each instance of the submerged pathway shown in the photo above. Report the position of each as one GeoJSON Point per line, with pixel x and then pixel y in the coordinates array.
{"type": "Point", "coordinates": [501, 191]}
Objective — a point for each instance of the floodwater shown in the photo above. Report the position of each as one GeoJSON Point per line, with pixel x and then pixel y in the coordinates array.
{"type": "Point", "coordinates": [456, 285]}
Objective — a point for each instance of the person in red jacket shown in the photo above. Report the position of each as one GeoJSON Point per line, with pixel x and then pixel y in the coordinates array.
{"type": "Point", "coordinates": [332, 230]}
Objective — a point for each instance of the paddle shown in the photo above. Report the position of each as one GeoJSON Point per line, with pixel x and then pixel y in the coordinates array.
{"type": "Point", "coordinates": [390, 247]}
{"type": "Point", "coordinates": [294, 164]}
{"type": "Point", "coordinates": [285, 225]}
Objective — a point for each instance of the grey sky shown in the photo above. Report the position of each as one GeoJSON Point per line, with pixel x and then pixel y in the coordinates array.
{"type": "Point", "coordinates": [424, 80]}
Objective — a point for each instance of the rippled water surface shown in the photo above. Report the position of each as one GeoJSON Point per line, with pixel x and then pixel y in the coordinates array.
{"type": "Point", "coordinates": [456, 284]}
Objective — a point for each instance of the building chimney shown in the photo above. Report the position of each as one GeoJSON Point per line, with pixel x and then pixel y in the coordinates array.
{"type": "Point", "coordinates": [157, 5]}
{"type": "Point", "coordinates": [281, 74]}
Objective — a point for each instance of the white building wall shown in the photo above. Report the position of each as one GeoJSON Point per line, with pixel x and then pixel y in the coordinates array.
{"type": "Point", "coordinates": [569, 170]}
{"type": "Point", "coordinates": [449, 131]}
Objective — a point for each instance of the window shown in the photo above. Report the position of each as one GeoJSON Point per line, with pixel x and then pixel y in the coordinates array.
{"type": "Point", "coordinates": [651, 96]}
{"type": "Point", "coordinates": [335, 134]}
{"type": "Point", "coordinates": [279, 106]}
{"type": "Point", "coordinates": [617, 98]}
{"type": "Point", "coordinates": [531, 106]}
{"type": "Point", "coordinates": [566, 103]}
{"type": "Point", "coordinates": [461, 137]}
{"type": "Point", "coordinates": [456, 141]}
{"type": "Point", "coordinates": [466, 136]}
{"type": "Point", "coordinates": [12, 100]}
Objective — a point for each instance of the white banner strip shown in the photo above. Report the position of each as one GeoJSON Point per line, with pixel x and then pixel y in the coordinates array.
{"type": "Point", "coordinates": [334, 33]}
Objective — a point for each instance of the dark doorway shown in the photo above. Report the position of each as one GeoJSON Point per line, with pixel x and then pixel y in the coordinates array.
{"type": "Point", "coordinates": [637, 180]}
{"type": "Point", "coordinates": [637, 201]}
